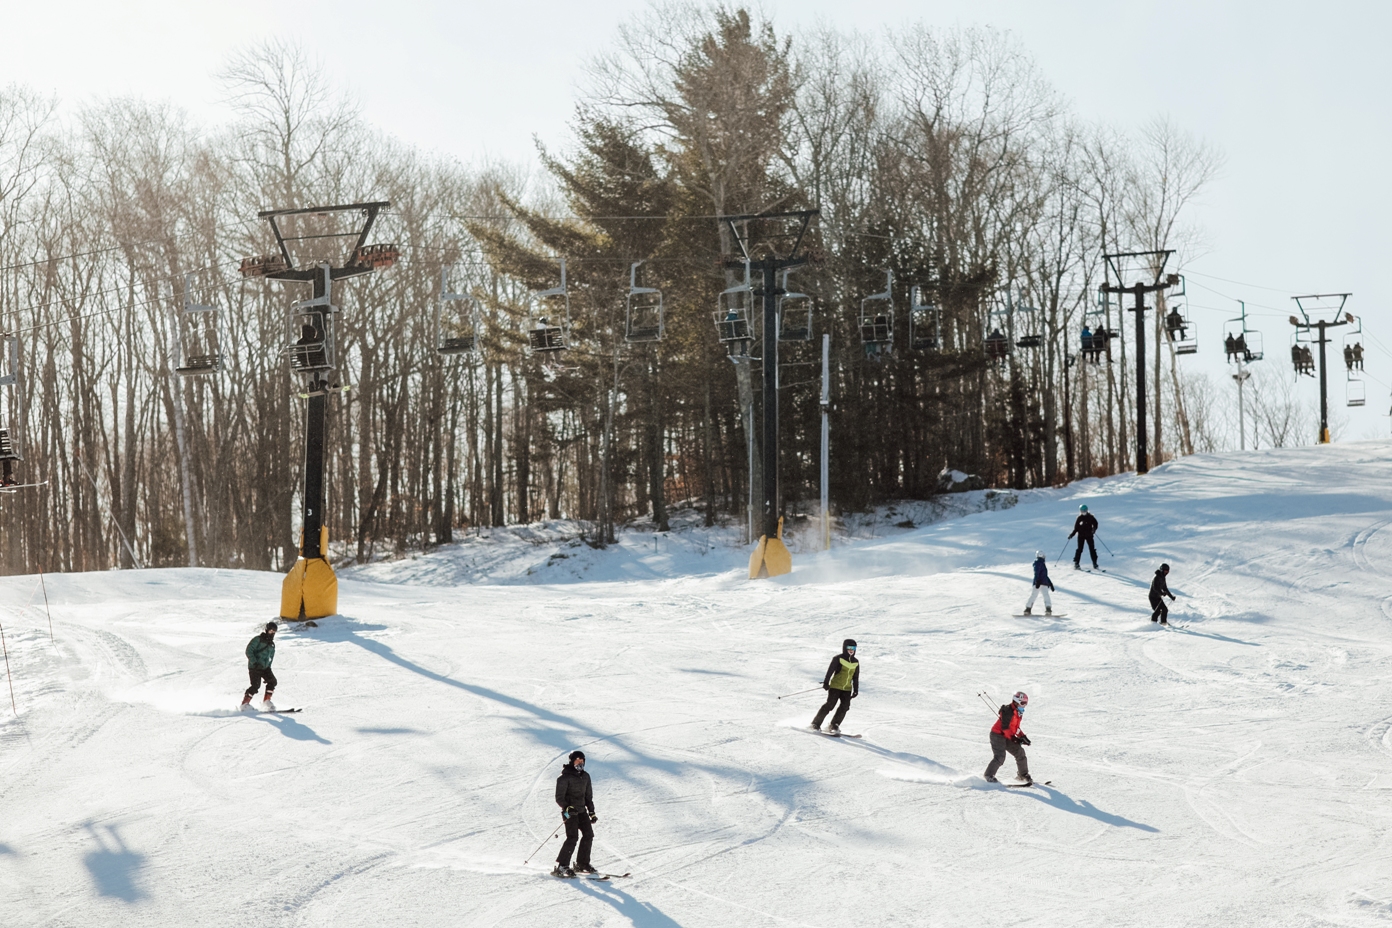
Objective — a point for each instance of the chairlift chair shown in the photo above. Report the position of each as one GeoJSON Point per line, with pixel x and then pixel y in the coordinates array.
{"type": "Point", "coordinates": [465, 342]}
{"type": "Point", "coordinates": [10, 412]}
{"type": "Point", "coordinates": [794, 314]}
{"type": "Point", "coordinates": [1096, 336]}
{"type": "Point", "coordinates": [1356, 391]}
{"type": "Point", "coordinates": [1181, 331]}
{"type": "Point", "coordinates": [211, 360]}
{"type": "Point", "coordinates": [877, 320]}
{"type": "Point", "coordinates": [1240, 343]}
{"type": "Point", "coordinates": [925, 323]}
{"type": "Point", "coordinates": [643, 320]}
{"type": "Point", "coordinates": [1302, 359]}
{"type": "Point", "coordinates": [311, 342]}
{"type": "Point", "coordinates": [549, 306]}
{"type": "Point", "coordinates": [1353, 346]}
{"type": "Point", "coordinates": [732, 317]}
{"type": "Point", "coordinates": [1029, 327]}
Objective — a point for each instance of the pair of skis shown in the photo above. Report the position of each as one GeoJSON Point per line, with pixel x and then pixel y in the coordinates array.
{"type": "Point", "coordinates": [831, 734]}
{"type": "Point", "coordinates": [597, 877]}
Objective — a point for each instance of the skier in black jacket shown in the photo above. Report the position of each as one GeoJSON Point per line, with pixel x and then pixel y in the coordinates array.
{"type": "Point", "coordinates": [1084, 527]}
{"type": "Point", "coordinates": [575, 796]}
{"type": "Point", "coordinates": [1158, 589]}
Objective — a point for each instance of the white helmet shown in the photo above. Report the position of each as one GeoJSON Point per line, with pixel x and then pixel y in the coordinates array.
{"type": "Point", "coordinates": [1039, 555]}
{"type": "Point", "coordinates": [1021, 699]}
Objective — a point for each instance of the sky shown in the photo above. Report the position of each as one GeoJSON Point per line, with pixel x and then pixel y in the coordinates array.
{"type": "Point", "coordinates": [1294, 95]}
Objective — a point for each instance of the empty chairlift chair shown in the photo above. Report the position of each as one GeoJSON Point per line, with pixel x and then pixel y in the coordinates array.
{"type": "Point", "coordinates": [199, 340]}
{"type": "Point", "coordinates": [877, 321]}
{"type": "Point", "coordinates": [794, 314]}
{"type": "Point", "coordinates": [643, 320]}
{"type": "Point", "coordinates": [1027, 326]}
{"type": "Point", "coordinates": [550, 326]}
{"type": "Point", "coordinates": [732, 317]}
{"type": "Point", "coordinates": [466, 340]}
{"type": "Point", "coordinates": [925, 323]}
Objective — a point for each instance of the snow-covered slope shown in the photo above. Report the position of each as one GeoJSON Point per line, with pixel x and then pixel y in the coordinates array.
{"type": "Point", "coordinates": [1237, 772]}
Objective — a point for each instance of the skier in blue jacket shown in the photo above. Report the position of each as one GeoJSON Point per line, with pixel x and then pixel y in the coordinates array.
{"type": "Point", "coordinates": [1041, 580]}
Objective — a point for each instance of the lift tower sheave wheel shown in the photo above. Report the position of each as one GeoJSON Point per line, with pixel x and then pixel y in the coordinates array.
{"type": "Point", "coordinates": [317, 246]}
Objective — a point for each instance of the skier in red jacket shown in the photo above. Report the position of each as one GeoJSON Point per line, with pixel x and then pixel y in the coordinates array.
{"type": "Point", "coordinates": [1006, 736]}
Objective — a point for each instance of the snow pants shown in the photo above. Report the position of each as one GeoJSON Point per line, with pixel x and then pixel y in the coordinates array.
{"type": "Point", "coordinates": [258, 674]}
{"type": "Point", "coordinates": [833, 696]}
{"type": "Point", "coordinates": [577, 827]}
{"type": "Point", "coordinates": [1034, 593]}
{"type": "Point", "coordinates": [1159, 612]}
{"type": "Point", "coordinates": [999, 746]}
{"type": "Point", "coordinates": [1092, 550]}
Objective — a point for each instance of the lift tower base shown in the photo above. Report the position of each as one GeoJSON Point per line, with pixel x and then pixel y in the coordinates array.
{"type": "Point", "coordinates": [310, 589]}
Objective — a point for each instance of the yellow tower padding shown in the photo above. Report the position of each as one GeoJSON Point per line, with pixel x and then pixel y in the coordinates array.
{"type": "Point", "coordinates": [310, 589]}
{"type": "Point", "coordinates": [771, 557]}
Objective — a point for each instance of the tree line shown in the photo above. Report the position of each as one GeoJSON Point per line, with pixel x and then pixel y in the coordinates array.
{"type": "Point", "coordinates": [942, 158]}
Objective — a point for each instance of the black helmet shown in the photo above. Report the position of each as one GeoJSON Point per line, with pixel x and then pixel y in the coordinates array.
{"type": "Point", "coordinates": [271, 626]}
{"type": "Point", "coordinates": [576, 755]}
{"type": "Point", "coordinates": [848, 643]}
{"type": "Point", "coordinates": [1165, 568]}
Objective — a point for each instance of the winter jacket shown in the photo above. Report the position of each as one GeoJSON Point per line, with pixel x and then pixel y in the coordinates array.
{"type": "Point", "coordinates": [843, 673]}
{"type": "Point", "coordinates": [1085, 526]}
{"type": "Point", "coordinates": [1008, 724]}
{"type": "Point", "coordinates": [573, 790]}
{"type": "Point", "coordinates": [1158, 587]}
{"type": "Point", "coordinates": [1041, 574]}
{"type": "Point", "coordinates": [260, 651]}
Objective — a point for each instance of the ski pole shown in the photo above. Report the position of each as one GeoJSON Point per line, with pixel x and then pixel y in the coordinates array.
{"type": "Point", "coordinates": [541, 845]}
{"type": "Point", "coordinates": [1063, 549]}
{"type": "Point", "coordinates": [6, 649]}
{"type": "Point", "coordinates": [44, 587]}
{"type": "Point", "coordinates": [1104, 544]}
{"type": "Point", "coordinates": [798, 693]}
{"type": "Point", "coordinates": [985, 697]}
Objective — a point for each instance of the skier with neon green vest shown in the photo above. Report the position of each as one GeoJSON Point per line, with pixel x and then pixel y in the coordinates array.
{"type": "Point", "coordinates": [842, 683]}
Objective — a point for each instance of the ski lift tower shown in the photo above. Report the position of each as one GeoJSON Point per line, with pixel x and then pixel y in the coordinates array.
{"type": "Point", "coordinates": [317, 246]}
{"type": "Point", "coordinates": [771, 557]}
{"type": "Point", "coordinates": [1128, 272]}
{"type": "Point", "coordinates": [1328, 312]}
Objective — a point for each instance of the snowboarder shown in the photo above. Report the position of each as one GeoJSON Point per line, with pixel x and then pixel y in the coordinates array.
{"type": "Point", "coordinates": [260, 651]}
{"type": "Point", "coordinates": [1041, 580]}
{"type": "Point", "coordinates": [842, 683]}
{"type": "Point", "coordinates": [1085, 526]}
{"type": "Point", "coordinates": [1158, 590]}
{"type": "Point", "coordinates": [1006, 736]}
{"type": "Point", "coordinates": [575, 796]}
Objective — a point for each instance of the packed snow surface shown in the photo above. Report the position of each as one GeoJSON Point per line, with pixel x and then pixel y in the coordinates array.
{"type": "Point", "coordinates": [1235, 771]}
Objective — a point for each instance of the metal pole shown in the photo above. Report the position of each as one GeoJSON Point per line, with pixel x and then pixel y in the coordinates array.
{"type": "Point", "coordinates": [313, 502]}
{"type": "Point", "coordinates": [749, 503]}
{"type": "Point", "coordinates": [826, 440]}
{"type": "Point", "coordinates": [1241, 378]}
{"type": "Point", "coordinates": [1142, 463]}
{"type": "Point", "coordinates": [769, 266]}
{"type": "Point", "coordinates": [1324, 391]}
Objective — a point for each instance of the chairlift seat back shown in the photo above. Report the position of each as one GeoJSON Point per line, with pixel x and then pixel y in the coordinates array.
{"type": "Point", "coordinates": [200, 364]}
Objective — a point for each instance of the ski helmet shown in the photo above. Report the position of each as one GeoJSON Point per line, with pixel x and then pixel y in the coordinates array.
{"type": "Point", "coordinates": [1021, 699]}
{"type": "Point", "coordinates": [1083, 508]}
{"type": "Point", "coordinates": [1165, 568]}
{"type": "Point", "coordinates": [271, 626]}
{"type": "Point", "coordinates": [576, 755]}
{"type": "Point", "coordinates": [1039, 555]}
{"type": "Point", "coordinates": [848, 644]}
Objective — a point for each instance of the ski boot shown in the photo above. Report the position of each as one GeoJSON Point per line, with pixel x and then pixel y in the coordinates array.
{"type": "Point", "coordinates": [834, 730]}
{"type": "Point", "coordinates": [1027, 610]}
{"type": "Point", "coordinates": [563, 872]}
{"type": "Point", "coordinates": [246, 701]}
{"type": "Point", "coordinates": [1077, 566]}
{"type": "Point", "coordinates": [1024, 780]}
{"type": "Point", "coordinates": [585, 869]}
{"type": "Point", "coordinates": [267, 705]}
{"type": "Point", "coordinates": [991, 779]}
{"type": "Point", "coordinates": [1048, 610]}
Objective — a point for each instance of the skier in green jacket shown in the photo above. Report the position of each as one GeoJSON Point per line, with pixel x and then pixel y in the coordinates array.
{"type": "Point", "coordinates": [260, 651]}
{"type": "Point", "coordinates": [842, 683]}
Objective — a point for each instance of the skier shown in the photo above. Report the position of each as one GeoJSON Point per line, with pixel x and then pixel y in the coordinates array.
{"type": "Point", "coordinates": [575, 796]}
{"type": "Point", "coordinates": [260, 651]}
{"type": "Point", "coordinates": [1085, 526]}
{"type": "Point", "coordinates": [842, 683]}
{"type": "Point", "coordinates": [1041, 580]}
{"type": "Point", "coordinates": [1159, 589]}
{"type": "Point", "coordinates": [1006, 736]}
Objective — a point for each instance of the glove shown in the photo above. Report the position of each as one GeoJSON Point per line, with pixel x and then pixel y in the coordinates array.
{"type": "Point", "coordinates": [827, 687]}
{"type": "Point", "coordinates": [1051, 587]}
{"type": "Point", "coordinates": [593, 818]}
{"type": "Point", "coordinates": [1021, 738]}
{"type": "Point", "coordinates": [1172, 599]}
{"type": "Point", "coordinates": [566, 814]}
{"type": "Point", "coordinates": [855, 694]}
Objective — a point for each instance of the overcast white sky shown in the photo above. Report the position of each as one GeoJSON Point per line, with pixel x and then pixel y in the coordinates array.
{"type": "Point", "coordinates": [1294, 94]}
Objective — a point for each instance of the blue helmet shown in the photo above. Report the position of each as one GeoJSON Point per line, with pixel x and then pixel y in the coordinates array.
{"type": "Point", "coordinates": [1083, 508]}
